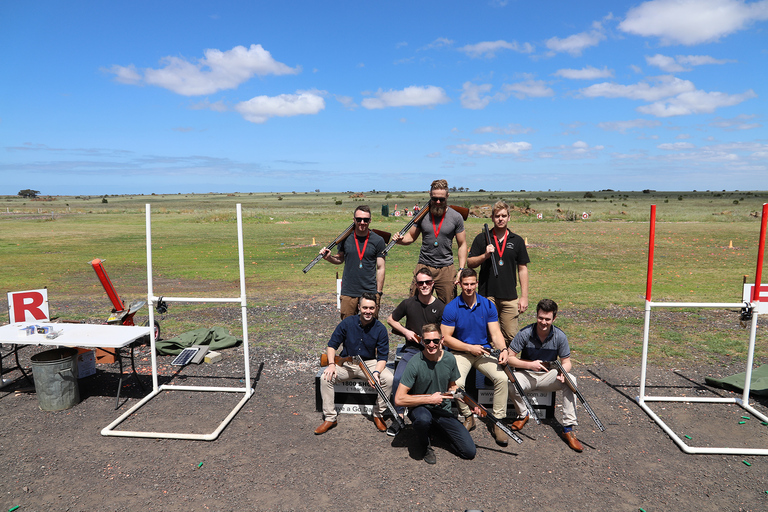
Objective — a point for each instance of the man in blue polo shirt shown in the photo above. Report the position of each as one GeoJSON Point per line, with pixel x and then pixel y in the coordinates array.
{"type": "Point", "coordinates": [361, 335]}
{"type": "Point", "coordinates": [470, 327]}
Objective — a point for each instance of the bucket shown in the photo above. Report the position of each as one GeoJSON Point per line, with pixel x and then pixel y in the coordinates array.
{"type": "Point", "coordinates": [55, 374]}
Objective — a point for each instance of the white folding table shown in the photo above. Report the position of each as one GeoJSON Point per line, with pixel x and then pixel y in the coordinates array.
{"type": "Point", "coordinates": [102, 336]}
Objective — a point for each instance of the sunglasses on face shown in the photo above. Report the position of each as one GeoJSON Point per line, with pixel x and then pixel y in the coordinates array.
{"type": "Point", "coordinates": [438, 199]}
{"type": "Point", "coordinates": [422, 283]}
{"type": "Point", "coordinates": [431, 341]}
{"type": "Point", "coordinates": [362, 219]}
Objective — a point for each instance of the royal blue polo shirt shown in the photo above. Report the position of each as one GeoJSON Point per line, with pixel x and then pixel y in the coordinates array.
{"type": "Point", "coordinates": [470, 324]}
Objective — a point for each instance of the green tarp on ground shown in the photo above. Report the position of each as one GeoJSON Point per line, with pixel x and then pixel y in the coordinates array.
{"type": "Point", "coordinates": [759, 385]}
{"type": "Point", "coordinates": [215, 337]}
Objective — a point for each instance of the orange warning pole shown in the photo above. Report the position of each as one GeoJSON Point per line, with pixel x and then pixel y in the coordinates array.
{"type": "Point", "coordinates": [98, 266]}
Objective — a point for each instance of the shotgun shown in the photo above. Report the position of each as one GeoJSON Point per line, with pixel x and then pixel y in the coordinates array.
{"type": "Point", "coordinates": [380, 391]}
{"type": "Point", "coordinates": [572, 386]}
{"type": "Point", "coordinates": [488, 242]}
{"type": "Point", "coordinates": [339, 239]}
{"type": "Point", "coordinates": [462, 395]}
{"type": "Point", "coordinates": [518, 387]}
{"type": "Point", "coordinates": [464, 212]}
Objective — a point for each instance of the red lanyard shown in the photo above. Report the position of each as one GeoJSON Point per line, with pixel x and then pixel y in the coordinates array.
{"type": "Point", "coordinates": [436, 227]}
{"type": "Point", "coordinates": [359, 252]}
{"type": "Point", "coordinates": [500, 250]}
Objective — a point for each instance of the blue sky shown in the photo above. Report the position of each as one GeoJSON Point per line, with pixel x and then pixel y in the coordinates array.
{"type": "Point", "coordinates": [166, 97]}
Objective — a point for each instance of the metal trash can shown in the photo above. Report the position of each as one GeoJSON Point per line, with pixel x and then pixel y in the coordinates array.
{"type": "Point", "coordinates": [55, 374]}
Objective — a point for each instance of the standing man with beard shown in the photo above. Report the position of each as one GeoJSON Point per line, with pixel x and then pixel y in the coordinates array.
{"type": "Point", "coordinates": [363, 259]}
{"type": "Point", "coordinates": [438, 229]}
{"type": "Point", "coordinates": [508, 249]}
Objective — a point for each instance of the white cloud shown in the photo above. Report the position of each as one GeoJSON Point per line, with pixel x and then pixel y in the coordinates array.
{"type": "Point", "coordinates": [493, 148]}
{"type": "Point", "coordinates": [695, 102]}
{"type": "Point", "coordinates": [587, 73]}
{"type": "Point", "coordinates": [475, 97]}
{"type": "Point", "coordinates": [440, 42]}
{"type": "Point", "coordinates": [261, 108]}
{"type": "Point", "coordinates": [736, 123]}
{"type": "Point", "coordinates": [577, 43]}
{"type": "Point", "coordinates": [124, 74]}
{"type": "Point", "coordinates": [216, 71]}
{"type": "Point", "coordinates": [682, 62]}
{"type": "Point", "coordinates": [665, 86]}
{"type": "Point", "coordinates": [676, 146]}
{"type": "Point", "coordinates": [529, 89]}
{"type": "Point", "coordinates": [510, 129]}
{"type": "Point", "coordinates": [413, 96]}
{"type": "Point", "coordinates": [217, 106]}
{"type": "Point", "coordinates": [625, 126]}
{"type": "Point", "coordinates": [489, 48]}
{"type": "Point", "coordinates": [690, 22]}
{"type": "Point", "coordinates": [576, 151]}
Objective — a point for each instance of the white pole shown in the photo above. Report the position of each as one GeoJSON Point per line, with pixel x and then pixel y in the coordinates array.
{"type": "Point", "coordinates": [150, 300]}
{"type": "Point", "coordinates": [243, 298]}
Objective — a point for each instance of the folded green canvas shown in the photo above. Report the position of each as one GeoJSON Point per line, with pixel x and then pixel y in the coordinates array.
{"type": "Point", "coordinates": [216, 338]}
{"type": "Point", "coordinates": [758, 386]}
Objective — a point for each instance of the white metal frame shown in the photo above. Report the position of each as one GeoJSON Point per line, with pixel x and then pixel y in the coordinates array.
{"type": "Point", "coordinates": [755, 303]}
{"type": "Point", "coordinates": [247, 390]}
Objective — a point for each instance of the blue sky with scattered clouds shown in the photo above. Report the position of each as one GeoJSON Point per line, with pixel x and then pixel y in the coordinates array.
{"type": "Point", "coordinates": [165, 97]}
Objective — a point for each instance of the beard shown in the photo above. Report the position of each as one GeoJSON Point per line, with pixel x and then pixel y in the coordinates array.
{"type": "Point", "coordinates": [437, 210]}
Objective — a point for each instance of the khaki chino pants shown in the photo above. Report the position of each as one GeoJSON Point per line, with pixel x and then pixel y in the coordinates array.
{"type": "Point", "coordinates": [545, 381]}
{"type": "Point", "coordinates": [488, 366]}
{"type": "Point", "coordinates": [349, 371]}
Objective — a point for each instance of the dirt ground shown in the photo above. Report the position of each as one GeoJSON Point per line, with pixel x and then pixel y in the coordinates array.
{"type": "Point", "coordinates": [269, 459]}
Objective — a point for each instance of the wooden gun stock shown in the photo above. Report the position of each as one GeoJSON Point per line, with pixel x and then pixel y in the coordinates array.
{"type": "Point", "coordinates": [338, 361]}
{"type": "Point", "coordinates": [464, 212]}
{"type": "Point", "coordinates": [462, 395]}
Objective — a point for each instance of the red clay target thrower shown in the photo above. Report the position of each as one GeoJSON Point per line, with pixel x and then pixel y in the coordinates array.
{"type": "Point", "coordinates": [120, 315]}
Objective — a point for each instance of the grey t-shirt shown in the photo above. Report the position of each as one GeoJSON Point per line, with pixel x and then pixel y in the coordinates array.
{"type": "Point", "coordinates": [440, 255]}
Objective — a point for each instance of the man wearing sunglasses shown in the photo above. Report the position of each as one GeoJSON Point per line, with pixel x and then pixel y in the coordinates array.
{"type": "Point", "coordinates": [438, 229]}
{"type": "Point", "coordinates": [511, 257]}
{"type": "Point", "coordinates": [362, 254]}
{"type": "Point", "coordinates": [470, 329]}
{"type": "Point", "coordinates": [426, 388]}
{"type": "Point", "coordinates": [418, 310]}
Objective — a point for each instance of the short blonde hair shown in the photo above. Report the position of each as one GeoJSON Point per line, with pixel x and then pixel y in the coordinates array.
{"type": "Point", "coordinates": [500, 205]}
{"type": "Point", "coordinates": [439, 185]}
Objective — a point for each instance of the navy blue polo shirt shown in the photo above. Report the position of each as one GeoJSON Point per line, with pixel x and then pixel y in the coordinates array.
{"type": "Point", "coordinates": [370, 341]}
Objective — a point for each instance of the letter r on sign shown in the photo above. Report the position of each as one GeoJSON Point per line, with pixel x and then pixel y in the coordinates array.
{"type": "Point", "coordinates": [28, 306]}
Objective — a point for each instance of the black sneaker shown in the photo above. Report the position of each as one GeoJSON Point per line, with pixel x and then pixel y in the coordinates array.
{"type": "Point", "coordinates": [429, 456]}
{"type": "Point", "coordinates": [393, 429]}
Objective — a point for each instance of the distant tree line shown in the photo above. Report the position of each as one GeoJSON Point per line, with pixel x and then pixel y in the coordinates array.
{"type": "Point", "coordinates": [28, 192]}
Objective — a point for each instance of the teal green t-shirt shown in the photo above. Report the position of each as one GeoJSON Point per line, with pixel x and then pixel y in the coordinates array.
{"type": "Point", "coordinates": [424, 377]}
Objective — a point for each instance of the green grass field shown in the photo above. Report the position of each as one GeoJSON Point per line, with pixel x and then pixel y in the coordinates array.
{"type": "Point", "coordinates": [594, 268]}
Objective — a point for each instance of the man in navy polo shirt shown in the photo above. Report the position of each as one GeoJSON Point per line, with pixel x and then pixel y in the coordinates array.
{"type": "Point", "coordinates": [361, 335]}
{"type": "Point", "coordinates": [470, 327]}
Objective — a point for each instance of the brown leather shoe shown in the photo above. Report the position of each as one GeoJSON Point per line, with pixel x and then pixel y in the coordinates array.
{"type": "Point", "coordinates": [570, 439]}
{"type": "Point", "coordinates": [379, 424]}
{"type": "Point", "coordinates": [469, 423]}
{"type": "Point", "coordinates": [325, 427]}
{"type": "Point", "coordinates": [519, 423]}
{"type": "Point", "coordinates": [501, 437]}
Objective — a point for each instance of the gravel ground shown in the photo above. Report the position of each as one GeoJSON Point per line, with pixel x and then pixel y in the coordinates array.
{"type": "Point", "coordinates": [269, 459]}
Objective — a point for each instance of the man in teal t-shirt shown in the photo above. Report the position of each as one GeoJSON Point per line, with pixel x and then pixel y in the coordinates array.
{"type": "Point", "coordinates": [426, 388]}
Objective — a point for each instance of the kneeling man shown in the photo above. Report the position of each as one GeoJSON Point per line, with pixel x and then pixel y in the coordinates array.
{"type": "Point", "coordinates": [534, 345]}
{"type": "Point", "coordinates": [361, 335]}
{"type": "Point", "coordinates": [425, 389]}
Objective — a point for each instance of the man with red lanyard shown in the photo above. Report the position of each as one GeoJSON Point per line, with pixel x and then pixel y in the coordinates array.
{"type": "Point", "coordinates": [438, 228]}
{"type": "Point", "coordinates": [363, 259]}
{"type": "Point", "coordinates": [508, 249]}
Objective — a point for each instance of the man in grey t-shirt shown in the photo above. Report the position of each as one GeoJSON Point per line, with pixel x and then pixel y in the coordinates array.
{"type": "Point", "coordinates": [438, 229]}
{"type": "Point", "coordinates": [362, 255]}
